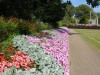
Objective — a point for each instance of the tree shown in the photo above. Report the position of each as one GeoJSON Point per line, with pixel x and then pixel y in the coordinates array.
{"type": "Point", "coordinates": [69, 13]}
{"type": "Point", "coordinates": [46, 10]}
{"type": "Point", "coordinates": [70, 10]}
{"type": "Point", "coordinates": [98, 14]}
{"type": "Point", "coordinates": [50, 11]}
{"type": "Point", "coordinates": [93, 3]}
{"type": "Point", "coordinates": [17, 8]}
{"type": "Point", "coordinates": [83, 13]}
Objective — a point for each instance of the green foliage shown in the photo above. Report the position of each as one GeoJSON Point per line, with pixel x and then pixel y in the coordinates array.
{"type": "Point", "coordinates": [93, 3]}
{"type": "Point", "coordinates": [50, 11]}
{"type": "Point", "coordinates": [10, 71]}
{"type": "Point", "coordinates": [19, 26]}
{"type": "Point", "coordinates": [63, 23]}
{"type": "Point", "coordinates": [39, 25]}
{"type": "Point", "coordinates": [23, 27]}
{"type": "Point", "coordinates": [3, 31]}
{"type": "Point", "coordinates": [7, 42]}
{"type": "Point", "coordinates": [83, 13]}
{"type": "Point", "coordinates": [7, 27]}
{"type": "Point", "coordinates": [47, 11]}
{"type": "Point", "coordinates": [66, 21]}
{"type": "Point", "coordinates": [17, 8]}
{"type": "Point", "coordinates": [72, 20]}
{"type": "Point", "coordinates": [69, 10]}
{"type": "Point", "coordinates": [98, 14]}
{"type": "Point", "coordinates": [83, 21]}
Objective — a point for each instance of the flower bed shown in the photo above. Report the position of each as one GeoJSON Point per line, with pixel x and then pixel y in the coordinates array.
{"type": "Point", "coordinates": [41, 55]}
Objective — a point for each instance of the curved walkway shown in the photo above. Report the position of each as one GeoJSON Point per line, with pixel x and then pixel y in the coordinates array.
{"type": "Point", "coordinates": [83, 59]}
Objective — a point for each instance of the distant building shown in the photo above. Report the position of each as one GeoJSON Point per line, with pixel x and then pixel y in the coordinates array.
{"type": "Point", "coordinates": [92, 22]}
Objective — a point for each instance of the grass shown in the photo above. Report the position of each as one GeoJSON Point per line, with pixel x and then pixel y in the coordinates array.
{"type": "Point", "coordinates": [92, 36]}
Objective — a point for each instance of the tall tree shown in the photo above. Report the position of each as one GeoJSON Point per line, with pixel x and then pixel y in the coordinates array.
{"type": "Point", "coordinates": [93, 3]}
{"type": "Point", "coordinates": [83, 13]}
{"type": "Point", "coordinates": [18, 8]}
{"type": "Point", "coordinates": [69, 10]}
{"type": "Point", "coordinates": [50, 11]}
{"type": "Point", "coordinates": [46, 10]}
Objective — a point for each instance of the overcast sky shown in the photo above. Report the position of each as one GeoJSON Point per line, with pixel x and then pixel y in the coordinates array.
{"type": "Point", "coordinates": [78, 2]}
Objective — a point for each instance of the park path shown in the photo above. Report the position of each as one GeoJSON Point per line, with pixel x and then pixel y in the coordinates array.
{"type": "Point", "coordinates": [83, 59]}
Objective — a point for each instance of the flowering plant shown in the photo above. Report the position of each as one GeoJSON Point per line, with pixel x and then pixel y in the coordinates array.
{"type": "Point", "coordinates": [18, 60]}
{"type": "Point", "coordinates": [48, 50]}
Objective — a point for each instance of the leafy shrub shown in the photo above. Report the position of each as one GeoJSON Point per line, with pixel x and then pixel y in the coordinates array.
{"type": "Point", "coordinates": [3, 31]}
{"type": "Point", "coordinates": [63, 23]}
{"type": "Point", "coordinates": [84, 26]}
{"type": "Point", "coordinates": [12, 25]}
{"type": "Point", "coordinates": [23, 27]}
{"type": "Point", "coordinates": [83, 21]}
{"type": "Point", "coordinates": [42, 26]}
{"type": "Point", "coordinates": [7, 27]}
{"type": "Point", "coordinates": [32, 28]}
{"type": "Point", "coordinates": [72, 20]}
{"type": "Point", "coordinates": [7, 42]}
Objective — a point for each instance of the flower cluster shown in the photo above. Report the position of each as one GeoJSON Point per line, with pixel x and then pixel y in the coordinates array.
{"type": "Point", "coordinates": [19, 60]}
{"type": "Point", "coordinates": [58, 49]}
{"type": "Point", "coordinates": [44, 64]}
{"type": "Point", "coordinates": [49, 53]}
{"type": "Point", "coordinates": [56, 46]}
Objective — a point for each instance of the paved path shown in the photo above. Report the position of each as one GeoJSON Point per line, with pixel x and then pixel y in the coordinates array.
{"type": "Point", "coordinates": [83, 59]}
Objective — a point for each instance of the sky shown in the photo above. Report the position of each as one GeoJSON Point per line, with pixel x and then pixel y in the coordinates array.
{"type": "Point", "coordinates": [79, 2]}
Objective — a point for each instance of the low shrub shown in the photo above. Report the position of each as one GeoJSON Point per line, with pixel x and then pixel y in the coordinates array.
{"type": "Point", "coordinates": [6, 42]}
{"type": "Point", "coordinates": [84, 26]}
{"type": "Point", "coordinates": [63, 23]}
{"type": "Point", "coordinates": [7, 27]}
{"type": "Point", "coordinates": [3, 31]}
{"type": "Point", "coordinates": [23, 27]}
{"type": "Point", "coordinates": [42, 26]}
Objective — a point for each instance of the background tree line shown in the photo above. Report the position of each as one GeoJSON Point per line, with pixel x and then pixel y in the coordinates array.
{"type": "Point", "coordinates": [50, 11]}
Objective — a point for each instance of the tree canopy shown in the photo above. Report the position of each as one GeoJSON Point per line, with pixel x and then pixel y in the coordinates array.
{"type": "Point", "coordinates": [70, 10]}
{"type": "Point", "coordinates": [49, 11]}
{"type": "Point", "coordinates": [83, 13]}
{"type": "Point", "coordinates": [93, 3]}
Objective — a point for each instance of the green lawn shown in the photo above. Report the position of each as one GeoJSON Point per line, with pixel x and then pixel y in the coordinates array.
{"type": "Point", "coordinates": [92, 36]}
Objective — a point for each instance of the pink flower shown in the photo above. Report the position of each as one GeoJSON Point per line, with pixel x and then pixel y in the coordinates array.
{"type": "Point", "coordinates": [2, 66]}
{"type": "Point", "coordinates": [9, 64]}
{"type": "Point", "coordinates": [19, 52]}
{"type": "Point", "coordinates": [16, 64]}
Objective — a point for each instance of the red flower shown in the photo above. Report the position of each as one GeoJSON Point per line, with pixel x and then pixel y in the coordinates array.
{"type": "Point", "coordinates": [2, 58]}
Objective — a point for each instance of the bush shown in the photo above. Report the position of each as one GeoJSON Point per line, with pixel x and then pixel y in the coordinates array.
{"type": "Point", "coordinates": [6, 42]}
{"type": "Point", "coordinates": [7, 27]}
{"type": "Point", "coordinates": [63, 23]}
{"type": "Point", "coordinates": [84, 26]}
{"type": "Point", "coordinates": [83, 21]}
{"type": "Point", "coordinates": [12, 25]}
{"type": "Point", "coordinates": [42, 26]}
{"type": "Point", "coordinates": [3, 31]}
{"type": "Point", "coordinates": [23, 27]}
